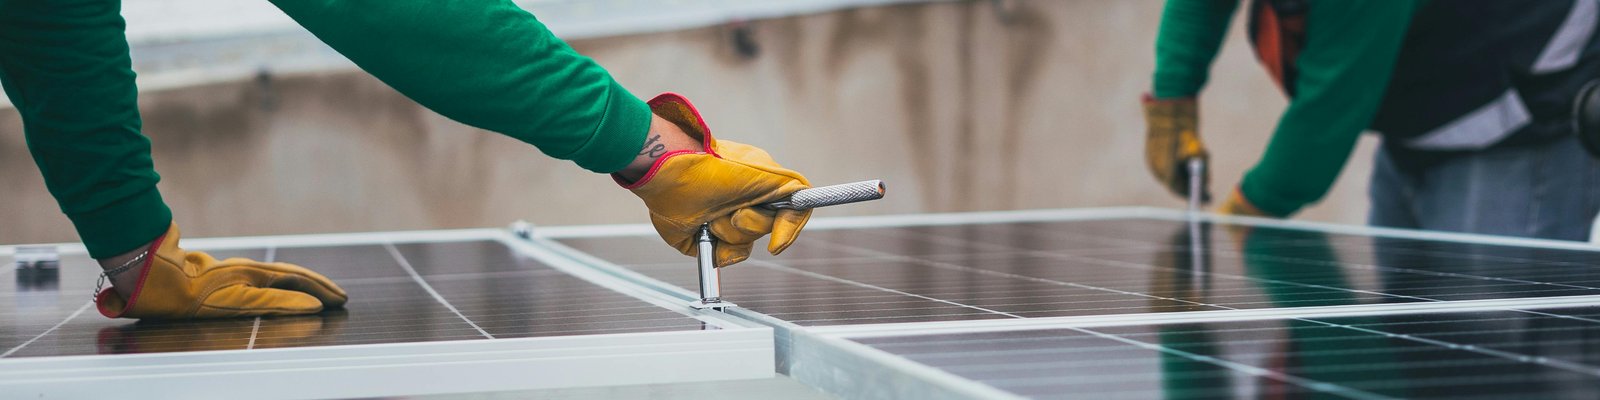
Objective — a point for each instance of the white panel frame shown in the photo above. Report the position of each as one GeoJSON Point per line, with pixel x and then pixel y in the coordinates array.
{"type": "Point", "coordinates": [1192, 317]}
{"type": "Point", "coordinates": [1088, 214]}
{"type": "Point", "coordinates": [400, 369]}
{"type": "Point", "coordinates": [733, 349]}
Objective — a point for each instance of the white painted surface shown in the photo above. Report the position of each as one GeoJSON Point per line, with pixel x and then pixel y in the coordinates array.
{"type": "Point", "coordinates": [400, 369]}
{"type": "Point", "coordinates": [1594, 231]}
{"type": "Point", "coordinates": [1197, 317]}
{"type": "Point", "coordinates": [777, 388]}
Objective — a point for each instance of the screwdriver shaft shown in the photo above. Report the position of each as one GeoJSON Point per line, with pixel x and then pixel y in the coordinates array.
{"type": "Point", "coordinates": [711, 279]}
{"type": "Point", "coordinates": [1197, 169]}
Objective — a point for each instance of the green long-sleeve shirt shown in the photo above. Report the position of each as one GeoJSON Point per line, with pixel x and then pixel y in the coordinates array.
{"type": "Point", "coordinates": [1350, 51]}
{"type": "Point", "coordinates": [489, 64]}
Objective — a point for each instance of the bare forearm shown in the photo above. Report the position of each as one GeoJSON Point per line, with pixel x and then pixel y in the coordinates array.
{"type": "Point", "coordinates": [664, 137]}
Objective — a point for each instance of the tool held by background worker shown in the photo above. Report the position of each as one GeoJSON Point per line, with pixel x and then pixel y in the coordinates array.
{"type": "Point", "coordinates": [710, 278]}
{"type": "Point", "coordinates": [1197, 242]}
{"type": "Point", "coordinates": [1197, 169]}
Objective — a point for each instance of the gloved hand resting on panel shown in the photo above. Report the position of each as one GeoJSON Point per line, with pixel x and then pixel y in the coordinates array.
{"type": "Point", "coordinates": [170, 283]}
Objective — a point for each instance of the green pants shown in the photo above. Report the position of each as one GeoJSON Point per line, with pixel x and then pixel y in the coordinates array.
{"type": "Point", "coordinates": [487, 63]}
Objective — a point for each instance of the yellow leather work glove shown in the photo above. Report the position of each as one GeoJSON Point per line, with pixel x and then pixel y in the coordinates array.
{"type": "Point", "coordinates": [1172, 137]}
{"type": "Point", "coordinates": [1237, 204]}
{"type": "Point", "coordinates": [722, 184]}
{"type": "Point", "coordinates": [178, 284]}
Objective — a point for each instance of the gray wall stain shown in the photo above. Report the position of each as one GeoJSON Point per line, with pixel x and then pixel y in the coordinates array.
{"type": "Point", "coordinates": [955, 108]}
{"type": "Point", "coordinates": [1030, 40]}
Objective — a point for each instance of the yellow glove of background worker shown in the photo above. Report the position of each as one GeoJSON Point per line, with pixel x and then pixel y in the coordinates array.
{"type": "Point", "coordinates": [1172, 138]}
{"type": "Point", "coordinates": [721, 184]}
{"type": "Point", "coordinates": [178, 284]}
{"type": "Point", "coordinates": [1237, 204]}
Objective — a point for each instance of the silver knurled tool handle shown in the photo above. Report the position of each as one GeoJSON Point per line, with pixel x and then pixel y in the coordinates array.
{"type": "Point", "coordinates": [710, 278]}
{"type": "Point", "coordinates": [831, 196]}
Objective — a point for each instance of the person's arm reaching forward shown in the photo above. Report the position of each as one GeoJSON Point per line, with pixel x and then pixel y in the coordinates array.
{"type": "Point", "coordinates": [492, 65]}
{"type": "Point", "coordinates": [1350, 51]}
{"type": "Point", "coordinates": [488, 64]}
{"type": "Point", "coordinates": [1191, 32]}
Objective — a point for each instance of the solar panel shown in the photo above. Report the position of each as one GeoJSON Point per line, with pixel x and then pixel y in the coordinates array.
{"type": "Point", "coordinates": [1501, 354]}
{"type": "Point", "coordinates": [1029, 269]}
{"type": "Point", "coordinates": [497, 294]}
{"type": "Point", "coordinates": [1127, 303]}
{"type": "Point", "coordinates": [1139, 303]}
{"type": "Point", "coordinates": [485, 288]}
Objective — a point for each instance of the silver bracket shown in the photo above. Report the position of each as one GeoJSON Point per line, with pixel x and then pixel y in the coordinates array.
{"type": "Point", "coordinates": [712, 304]}
{"type": "Point", "coordinates": [522, 229]}
{"type": "Point", "coordinates": [40, 257]}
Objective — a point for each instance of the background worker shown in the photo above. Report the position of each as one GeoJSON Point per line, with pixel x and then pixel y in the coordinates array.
{"type": "Point", "coordinates": [1474, 106]}
{"type": "Point", "coordinates": [488, 64]}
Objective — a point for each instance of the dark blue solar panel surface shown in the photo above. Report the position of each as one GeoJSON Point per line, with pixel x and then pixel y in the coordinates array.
{"type": "Point", "coordinates": [1487, 355]}
{"type": "Point", "coordinates": [1099, 267]}
{"type": "Point", "coordinates": [505, 294]}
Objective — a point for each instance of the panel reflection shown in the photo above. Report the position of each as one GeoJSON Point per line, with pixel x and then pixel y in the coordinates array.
{"type": "Point", "coordinates": [1100, 267]}
{"type": "Point", "coordinates": [1458, 355]}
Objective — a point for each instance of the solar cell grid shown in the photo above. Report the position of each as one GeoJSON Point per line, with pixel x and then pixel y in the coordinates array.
{"type": "Point", "coordinates": [33, 302]}
{"type": "Point", "coordinates": [1104, 266]}
{"type": "Point", "coordinates": [1455, 355]}
{"type": "Point", "coordinates": [484, 289]}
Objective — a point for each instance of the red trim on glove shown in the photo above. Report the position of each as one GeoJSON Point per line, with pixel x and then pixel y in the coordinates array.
{"type": "Point", "coordinates": [149, 260]}
{"type": "Point", "coordinates": [707, 142]}
{"type": "Point", "coordinates": [678, 102]}
{"type": "Point", "coordinates": [653, 168]}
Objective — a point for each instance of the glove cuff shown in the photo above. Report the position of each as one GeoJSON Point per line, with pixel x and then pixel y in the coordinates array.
{"type": "Point", "coordinates": [1241, 205]}
{"type": "Point", "coordinates": [1185, 109]}
{"type": "Point", "coordinates": [677, 109]}
{"type": "Point", "coordinates": [113, 306]}
{"type": "Point", "coordinates": [1149, 98]}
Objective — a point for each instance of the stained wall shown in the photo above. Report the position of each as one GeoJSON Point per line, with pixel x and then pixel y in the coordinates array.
{"type": "Point", "coordinates": [958, 106]}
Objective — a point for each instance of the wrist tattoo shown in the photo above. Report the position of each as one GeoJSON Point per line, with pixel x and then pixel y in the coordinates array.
{"type": "Point", "coordinates": [653, 147]}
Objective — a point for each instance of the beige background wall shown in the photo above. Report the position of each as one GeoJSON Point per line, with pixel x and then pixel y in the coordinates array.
{"type": "Point", "coordinates": [958, 107]}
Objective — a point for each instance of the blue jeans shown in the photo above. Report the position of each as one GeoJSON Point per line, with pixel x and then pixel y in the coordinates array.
{"type": "Point", "coordinates": [1548, 190]}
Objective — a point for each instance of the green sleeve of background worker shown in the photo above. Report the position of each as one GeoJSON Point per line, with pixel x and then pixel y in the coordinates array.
{"type": "Point", "coordinates": [65, 66]}
{"type": "Point", "coordinates": [1349, 55]}
{"type": "Point", "coordinates": [1190, 34]}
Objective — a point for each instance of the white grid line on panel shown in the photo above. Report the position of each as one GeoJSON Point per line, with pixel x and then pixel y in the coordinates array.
{"type": "Point", "coordinates": [780, 267]}
{"type": "Point", "coordinates": [47, 332]}
{"type": "Point", "coordinates": [417, 277]}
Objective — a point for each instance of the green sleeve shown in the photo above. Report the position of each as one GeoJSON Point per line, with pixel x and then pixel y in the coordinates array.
{"type": "Point", "coordinates": [65, 65]}
{"type": "Point", "coordinates": [488, 64]}
{"type": "Point", "coordinates": [1191, 32]}
{"type": "Point", "coordinates": [1350, 51]}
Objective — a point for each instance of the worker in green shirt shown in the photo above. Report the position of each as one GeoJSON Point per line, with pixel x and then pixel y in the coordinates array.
{"type": "Point", "coordinates": [489, 64]}
{"type": "Point", "coordinates": [1474, 105]}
